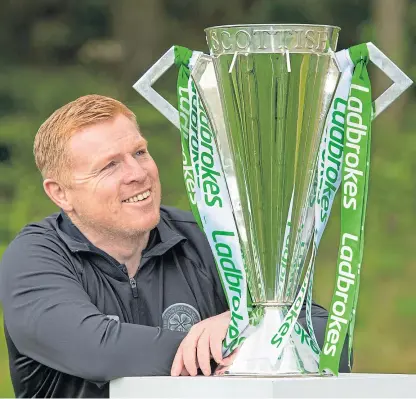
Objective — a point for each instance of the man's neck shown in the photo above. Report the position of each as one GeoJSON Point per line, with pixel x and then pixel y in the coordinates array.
{"type": "Point", "coordinates": [125, 249]}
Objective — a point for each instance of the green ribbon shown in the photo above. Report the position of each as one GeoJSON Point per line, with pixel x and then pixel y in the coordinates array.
{"type": "Point", "coordinates": [355, 172]}
{"type": "Point", "coordinates": [189, 103]}
{"type": "Point", "coordinates": [359, 55]}
{"type": "Point", "coordinates": [182, 57]}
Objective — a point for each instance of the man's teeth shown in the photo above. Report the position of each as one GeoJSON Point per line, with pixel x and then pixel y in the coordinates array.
{"type": "Point", "coordinates": [139, 197]}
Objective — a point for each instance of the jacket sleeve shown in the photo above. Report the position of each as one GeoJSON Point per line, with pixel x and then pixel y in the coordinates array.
{"type": "Point", "coordinates": [319, 320]}
{"type": "Point", "coordinates": [51, 319]}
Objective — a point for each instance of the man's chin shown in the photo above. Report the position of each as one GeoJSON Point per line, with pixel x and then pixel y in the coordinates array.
{"type": "Point", "coordinates": [145, 224]}
{"type": "Point", "coordinates": [153, 223]}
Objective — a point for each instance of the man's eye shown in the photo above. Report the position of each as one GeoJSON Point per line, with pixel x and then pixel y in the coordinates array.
{"type": "Point", "coordinates": [109, 165]}
{"type": "Point", "coordinates": [141, 152]}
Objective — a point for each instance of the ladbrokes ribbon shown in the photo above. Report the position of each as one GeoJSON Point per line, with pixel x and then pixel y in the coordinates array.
{"type": "Point", "coordinates": [355, 169]}
{"type": "Point", "coordinates": [182, 57]}
{"type": "Point", "coordinates": [209, 198]}
{"type": "Point", "coordinates": [330, 158]}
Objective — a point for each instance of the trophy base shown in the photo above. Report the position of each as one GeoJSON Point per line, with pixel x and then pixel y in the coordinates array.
{"type": "Point", "coordinates": [227, 373]}
{"type": "Point", "coordinates": [299, 357]}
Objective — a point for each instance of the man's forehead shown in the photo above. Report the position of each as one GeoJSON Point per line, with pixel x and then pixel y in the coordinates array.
{"type": "Point", "coordinates": [104, 140]}
{"type": "Point", "coordinates": [119, 145]}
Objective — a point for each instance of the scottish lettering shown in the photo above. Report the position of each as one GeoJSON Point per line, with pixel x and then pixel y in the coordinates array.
{"type": "Point", "coordinates": [270, 39]}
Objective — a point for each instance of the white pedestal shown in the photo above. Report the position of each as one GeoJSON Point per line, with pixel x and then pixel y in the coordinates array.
{"type": "Point", "coordinates": [346, 386]}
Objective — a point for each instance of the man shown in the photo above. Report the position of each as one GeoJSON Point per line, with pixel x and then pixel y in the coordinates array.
{"type": "Point", "coordinates": [114, 285]}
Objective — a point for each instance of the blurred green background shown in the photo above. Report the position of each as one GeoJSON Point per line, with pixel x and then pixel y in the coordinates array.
{"type": "Point", "coordinates": [53, 51]}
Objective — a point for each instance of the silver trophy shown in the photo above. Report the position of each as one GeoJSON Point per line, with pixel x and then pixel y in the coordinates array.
{"type": "Point", "coordinates": [267, 90]}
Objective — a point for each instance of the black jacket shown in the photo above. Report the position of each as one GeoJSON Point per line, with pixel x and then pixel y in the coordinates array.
{"type": "Point", "coordinates": [74, 320]}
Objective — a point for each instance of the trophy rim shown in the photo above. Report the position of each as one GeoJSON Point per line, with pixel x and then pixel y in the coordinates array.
{"type": "Point", "coordinates": [254, 25]}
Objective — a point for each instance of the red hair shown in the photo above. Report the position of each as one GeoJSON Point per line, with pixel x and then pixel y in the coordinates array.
{"type": "Point", "coordinates": [50, 149]}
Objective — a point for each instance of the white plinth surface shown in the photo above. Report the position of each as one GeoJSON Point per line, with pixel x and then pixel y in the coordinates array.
{"type": "Point", "coordinates": [346, 386]}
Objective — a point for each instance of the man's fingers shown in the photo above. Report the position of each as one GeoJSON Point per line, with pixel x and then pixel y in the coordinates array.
{"type": "Point", "coordinates": [203, 353]}
{"type": "Point", "coordinates": [198, 346]}
{"type": "Point", "coordinates": [218, 336]}
{"type": "Point", "coordinates": [230, 359]}
{"type": "Point", "coordinates": [189, 351]}
{"type": "Point", "coordinates": [184, 372]}
{"type": "Point", "coordinates": [177, 365]}
{"type": "Point", "coordinates": [215, 346]}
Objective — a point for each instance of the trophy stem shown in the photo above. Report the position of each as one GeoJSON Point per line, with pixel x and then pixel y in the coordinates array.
{"type": "Point", "coordinates": [299, 356]}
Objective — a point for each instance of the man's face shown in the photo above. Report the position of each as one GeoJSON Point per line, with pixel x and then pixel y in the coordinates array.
{"type": "Point", "coordinates": [115, 187]}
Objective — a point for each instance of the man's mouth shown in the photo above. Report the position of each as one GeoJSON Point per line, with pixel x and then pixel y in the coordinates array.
{"type": "Point", "coordinates": [138, 197]}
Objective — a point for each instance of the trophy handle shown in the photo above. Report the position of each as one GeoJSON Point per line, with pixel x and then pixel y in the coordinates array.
{"type": "Point", "coordinates": [144, 87]}
{"type": "Point", "coordinates": [401, 81]}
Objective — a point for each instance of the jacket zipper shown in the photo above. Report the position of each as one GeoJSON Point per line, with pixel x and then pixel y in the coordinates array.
{"type": "Point", "coordinates": [133, 286]}
{"type": "Point", "coordinates": [135, 291]}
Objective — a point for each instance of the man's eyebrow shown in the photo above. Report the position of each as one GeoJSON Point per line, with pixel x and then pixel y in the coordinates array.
{"type": "Point", "coordinates": [97, 163]}
{"type": "Point", "coordinates": [142, 141]}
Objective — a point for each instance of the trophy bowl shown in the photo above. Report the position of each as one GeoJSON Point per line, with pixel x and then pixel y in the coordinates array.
{"type": "Point", "coordinates": [267, 91]}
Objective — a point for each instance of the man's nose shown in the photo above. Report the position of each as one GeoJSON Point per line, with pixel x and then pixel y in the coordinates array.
{"type": "Point", "coordinates": [133, 170]}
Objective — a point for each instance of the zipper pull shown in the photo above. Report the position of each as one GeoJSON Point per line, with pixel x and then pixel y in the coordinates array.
{"type": "Point", "coordinates": [133, 286]}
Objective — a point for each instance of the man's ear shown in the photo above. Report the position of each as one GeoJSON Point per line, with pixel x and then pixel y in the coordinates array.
{"type": "Point", "coordinates": [58, 193]}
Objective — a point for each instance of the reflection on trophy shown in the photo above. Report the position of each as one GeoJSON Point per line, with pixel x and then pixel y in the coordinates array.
{"type": "Point", "coordinates": [264, 96]}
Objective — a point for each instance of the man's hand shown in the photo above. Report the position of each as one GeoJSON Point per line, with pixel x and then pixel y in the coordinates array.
{"type": "Point", "coordinates": [203, 341]}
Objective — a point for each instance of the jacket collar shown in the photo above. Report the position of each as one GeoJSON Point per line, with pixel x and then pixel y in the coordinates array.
{"type": "Point", "coordinates": [162, 238]}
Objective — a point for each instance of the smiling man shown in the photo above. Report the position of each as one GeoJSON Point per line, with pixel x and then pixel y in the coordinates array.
{"type": "Point", "coordinates": [114, 284]}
